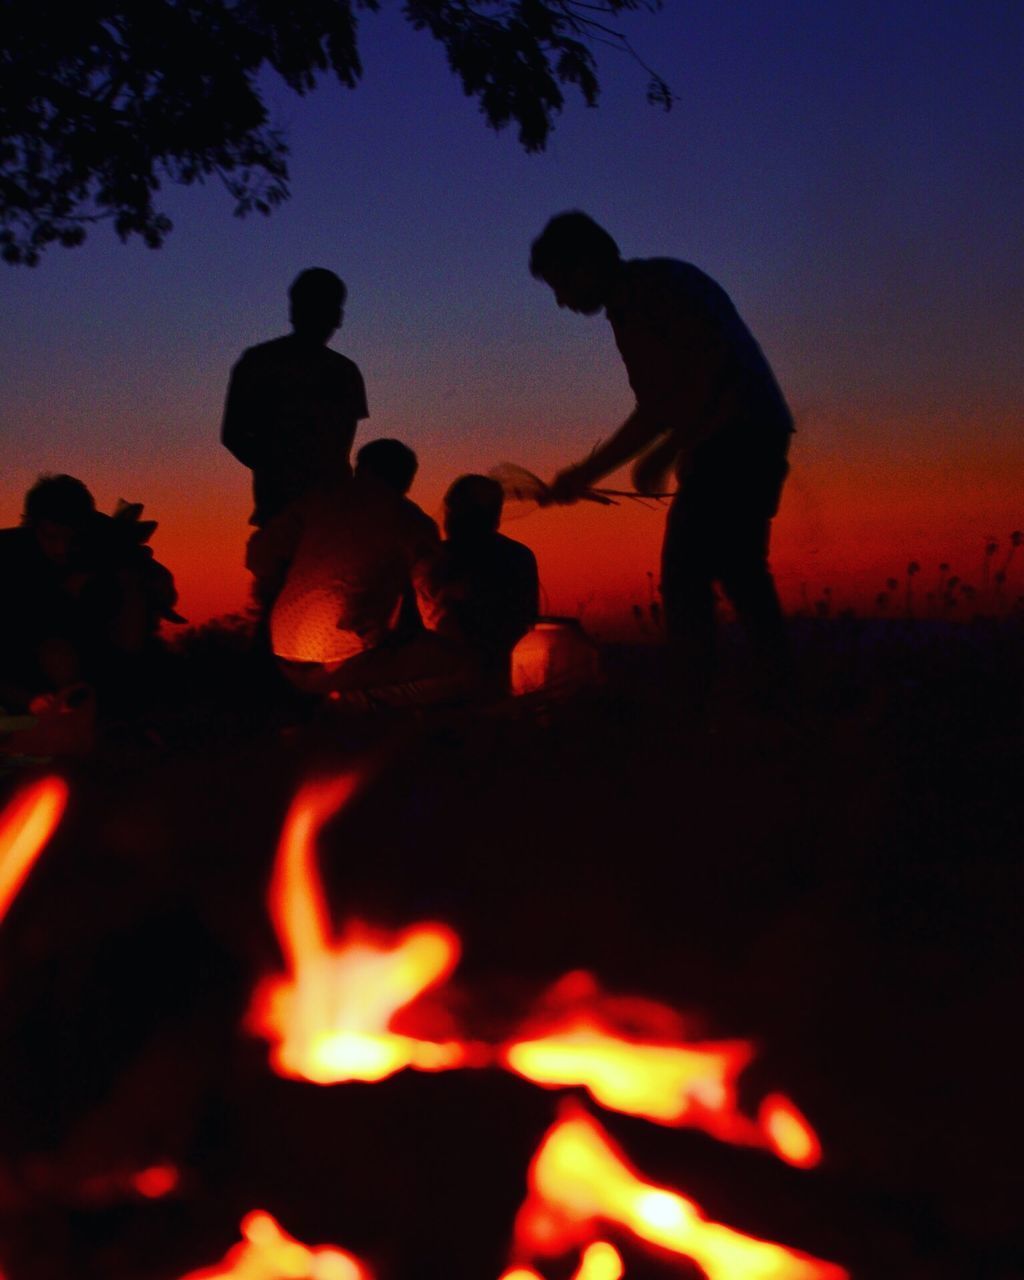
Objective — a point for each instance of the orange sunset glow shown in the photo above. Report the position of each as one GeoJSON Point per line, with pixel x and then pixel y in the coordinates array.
{"type": "Point", "coordinates": [850, 519]}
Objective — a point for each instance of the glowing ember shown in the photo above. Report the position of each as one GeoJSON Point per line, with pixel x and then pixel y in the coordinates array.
{"type": "Point", "coordinates": [25, 826]}
{"type": "Point", "coordinates": [580, 1181]}
{"type": "Point", "coordinates": [269, 1253]}
{"type": "Point", "coordinates": [157, 1181]}
{"type": "Point", "coordinates": [329, 1018]}
{"type": "Point", "coordinates": [788, 1132]}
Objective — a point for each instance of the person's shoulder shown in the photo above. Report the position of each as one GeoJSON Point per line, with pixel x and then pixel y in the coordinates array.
{"type": "Point", "coordinates": [343, 367]}
{"type": "Point", "coordinates": [669, 291]}
{"type": "Point", "coordinates": [13, 542]}
{"type": "Point", "coordinates": [417, 519]}
{"type": "Point", "coordinates": [264, 355]}
{"type": "Point", "coordinates": [272, 349]}
{"type": "Point", "coordinates": [514, 549]}
{"type": "Point", "coordinates": [665, 275]}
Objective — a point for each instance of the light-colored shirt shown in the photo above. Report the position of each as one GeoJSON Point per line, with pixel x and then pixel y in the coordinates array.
{"type": "Point", "coordinates": [352, 552]}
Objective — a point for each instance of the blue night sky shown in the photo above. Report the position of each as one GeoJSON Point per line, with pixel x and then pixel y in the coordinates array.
{"type": "Point", "coordinates": [850, 172]}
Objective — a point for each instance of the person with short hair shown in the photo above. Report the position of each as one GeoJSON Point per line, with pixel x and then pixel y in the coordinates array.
{"type": "Point", "coordinates": [293, 404]}
{"type": "Point", "coordinates": [482, 587]}
{"type": "Point", "coordinates": [709, 408]}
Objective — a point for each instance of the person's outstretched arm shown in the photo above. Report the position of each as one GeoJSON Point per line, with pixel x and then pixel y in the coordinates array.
{"type": "Point", "coordinates": [675, 363]}
{"type": "Point", "coordinates": [638, 431]}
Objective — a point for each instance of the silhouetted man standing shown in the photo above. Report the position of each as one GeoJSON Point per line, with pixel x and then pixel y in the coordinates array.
{"type": "Point", "coordinates": [293, 403]}
{"type": "Point", "coordinates": [707, 405]}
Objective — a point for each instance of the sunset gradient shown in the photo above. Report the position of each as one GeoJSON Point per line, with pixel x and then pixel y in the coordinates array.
{"type": "Point", "coordinates": [850, 176]}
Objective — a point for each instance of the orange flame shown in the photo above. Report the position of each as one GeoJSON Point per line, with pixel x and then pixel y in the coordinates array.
{"type": "Point", "coordinates": [329, 1017]}
{"type": "Point", "coordinates": [269, 1253]}
{"type": "Point", "coordinates": [579, 1180]}
{"type": "Point", "coordinates": [600, 1261]}
{"type": "Point", "coordinates": [25, 826]}
{"type": "Point", "coordinates": [788, 1133]}
{"type": "Point", "coordinates": [673, 1084]}
{"type": "Point", "coordinates": [632, 1055]}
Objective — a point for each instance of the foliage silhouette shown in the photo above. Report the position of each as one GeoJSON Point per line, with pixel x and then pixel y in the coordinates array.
{"type": "Point", "coordinates": [103, 106]}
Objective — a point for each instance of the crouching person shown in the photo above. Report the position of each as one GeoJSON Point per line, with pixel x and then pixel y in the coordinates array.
{"type": "Point", "coordinates": [482, 587]}
{"type": "Point", "coordinates": [345, 621]}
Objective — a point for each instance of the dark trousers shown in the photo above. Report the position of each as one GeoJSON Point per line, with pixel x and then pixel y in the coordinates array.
{"type": "Point", "coordinates": [718, 531]}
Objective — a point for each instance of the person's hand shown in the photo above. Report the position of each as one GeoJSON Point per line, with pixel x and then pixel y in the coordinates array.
{"type": "Point", "coordinates": [568, 486]}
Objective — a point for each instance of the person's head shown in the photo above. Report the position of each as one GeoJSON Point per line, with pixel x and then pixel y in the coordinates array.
{"type": "Point", "coordinates": [389, 461]}
{"type": "Point", "coordinates": [316, 303]}
{"type": "Point", "coordinates": [578, 259]}
{"type": "Point", "coordinates": [58, 510]}
{"type": "Point", "coordinates": [472, 507]}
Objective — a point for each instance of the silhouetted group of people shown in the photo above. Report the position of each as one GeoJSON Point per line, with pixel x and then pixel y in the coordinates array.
{"type": "Point", "coordinates": [359, 597]}
{"type": "Point", "coordinates": [84, 596]}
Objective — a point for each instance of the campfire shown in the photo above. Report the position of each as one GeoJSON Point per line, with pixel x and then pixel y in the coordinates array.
{"type": "Point", "coordinates": [359, 1004]}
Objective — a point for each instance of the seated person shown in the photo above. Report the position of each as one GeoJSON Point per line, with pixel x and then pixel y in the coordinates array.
{"type": "Point", "coordinates": [348, 557]}
{"type": "Point", "coordinates": [483, 586]}
{"type": "Point", "coordinates": [84, 598]}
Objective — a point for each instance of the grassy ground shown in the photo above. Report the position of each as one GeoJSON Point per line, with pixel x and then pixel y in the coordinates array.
{"type": "Point", "coordinates": [845, 891]}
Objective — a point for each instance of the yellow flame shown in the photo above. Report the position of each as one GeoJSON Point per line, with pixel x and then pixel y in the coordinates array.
{"type": "Point", "coordinates": [329, 1017]}
{"type": "Point", "coordinates": [579, 1180]}
{"type": "Point", "coordinates": [601, 1261]}
{"type": "Point", "coordinates": [26, 825]}
{"type": "Point", "coordinates": [672, 1084]}
{"type": "Point", "coordinates": [269, 1253]}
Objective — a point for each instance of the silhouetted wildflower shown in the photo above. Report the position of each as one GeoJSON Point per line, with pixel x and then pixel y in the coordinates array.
{"type": "Point", "coordinates": [1016, 538]}
{"type": "Point", "coordinates": [991, 547]}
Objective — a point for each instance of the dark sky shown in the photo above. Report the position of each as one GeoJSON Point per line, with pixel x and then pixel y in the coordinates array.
{"type": "Point", "coordinates": [851, 173]}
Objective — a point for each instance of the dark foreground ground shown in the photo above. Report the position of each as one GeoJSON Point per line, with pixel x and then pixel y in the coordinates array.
{"type": "Point", "coordinates": [847, 893]}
